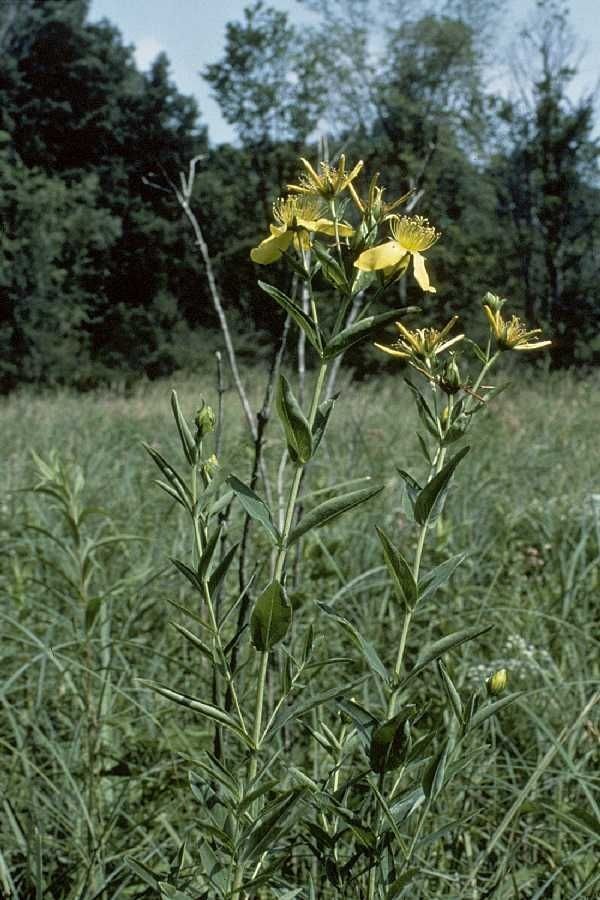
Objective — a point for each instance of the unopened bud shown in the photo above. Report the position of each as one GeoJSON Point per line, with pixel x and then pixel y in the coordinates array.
{"type": "Point", "coordinates": [450, 380]}
{"type": "Point", "coordinates": [494, 302]}
{"type": "Point", "coordinates": [205, 421]}
{"type": "Point", "coordinates": [496, 683]}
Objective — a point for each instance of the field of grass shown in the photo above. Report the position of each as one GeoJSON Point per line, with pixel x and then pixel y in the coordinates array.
{"type": "Point", "coordinates": [95, 767]}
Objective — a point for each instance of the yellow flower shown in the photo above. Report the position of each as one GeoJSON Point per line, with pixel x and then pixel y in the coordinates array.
{"type": "Point", "coordinates": [496, 683]}
{"type": "Point", "coordinates": [296, 217]}
{"type": "Point", "coordinates": [412, 235]}
{"type": "Point", "coordinates": [423, 343]}
{"type": "Point", "coordinates": [331, 182]}
{"type": "Point", "coordinates": [512, 335]}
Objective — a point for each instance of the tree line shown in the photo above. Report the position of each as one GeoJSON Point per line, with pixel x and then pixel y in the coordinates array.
{"type": "Point", "coordinates": [99, 275]}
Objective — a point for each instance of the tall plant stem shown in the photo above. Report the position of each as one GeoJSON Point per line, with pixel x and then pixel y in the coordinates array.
{"type": "Point", "coordinates": [277, 574]}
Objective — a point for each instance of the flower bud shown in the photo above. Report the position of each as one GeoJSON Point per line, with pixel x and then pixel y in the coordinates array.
{"type": "Point", "coordinates": [496, 683]}
{"type": "Point", "coordinates": [205, 422]}
{"type": "Point", "coordinates": [450, 380]}
{"type": "Point", "coordinates": [494, 302]}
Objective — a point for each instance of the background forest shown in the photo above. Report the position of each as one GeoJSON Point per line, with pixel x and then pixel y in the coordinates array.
{"type": "Point", "coordinates": [99, 277]}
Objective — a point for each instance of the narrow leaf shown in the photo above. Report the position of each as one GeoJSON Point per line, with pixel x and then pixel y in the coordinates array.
{"type": "Point", "coordinates": [425, 502]}
{"type": "Point", "coordinates": [298, 315]}
{"type": "Point", "coordinates": [358, 331]}
{"type": "Point", "coordinates": [431, 581]}
{"type": "Point", "coordinates": [255, 507]}
{"type": "Point", "coordinates": [221, 569]}
{"type": "Point", "coordinates": [208, 553]}
{"type": "Point", "coordinates": [321, 419]}
{"type": "Point", "coordinates": [365, 647]}
{"type": "Point", "coordinates": [433, 778]}
{"type": "Point", "coordinates": [491, 709]}
{"type": "Point", "coordinates": [331, 269]}
{"type": "Point", "coordinates": [297, 430]}
{"type": "Point", "coordinates": [271, 617]}
{"type": "Point", "coordinates": [437, 649]}
{"type": "Point", "coordinates": [191, 576]}
{"type": "Point", "coordinates": [399, 569]}
{"type": "Point", "coordinates": [185, 435]}
{"type": "Point", "coordinates": [330, 510]}
{"type": "Point", "coordinates": [215, 713]}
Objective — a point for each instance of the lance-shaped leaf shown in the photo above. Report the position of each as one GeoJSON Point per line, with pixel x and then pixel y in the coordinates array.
{"type": "Point", "coordinates": [399, 569]}
{"type": "Point", "coordinates": [321, 419]}
{"type": "Point", "coordinates": [271, 617]}
{"type": "Point", "coordinates": [215, 713]}
{"type": "Point", "coordinates": [438, 648]}
{"type": "Point", "coordinates": [490, 709]}
{"type": "Point", "coordinates": [429, 502]}
{"type": "Point", "coordinates": [330, 510]}
{"type": "Point", "coordinates": [185, 435]}
{"type": "Point", "coordinates": [171, 474]}
{"type": "Point", "coordinates": [450, 690]}
{"type": "Point", "coordinates": [390, 743]}
{"type": "Point", "coordinates": [425, 412]}
{"type": "Point", "coordinates": [434, 579]}
{"type": "Point", "coordinates": [296, 312]}
{"type": "Point", "coordinates": [221, 569]}
{"type": "Point", "coordinates": [365, 647]}
{"type": "Point", "coordinates": [191, 576]}
{"type": "Point", "coordinates": [413, 488]}
{"type": "Point", "coordinates": [255, 507]}
{"type": "Point", "coordinates": [208, 552]}
{"type": "Point", "coordinates": [433, 778]}
{"type": "Point", "coordinates": [296, 428]}
{"type": "Point", "coordinates": [365, 328]}
{"type": "Point", "coordinates": [330, 267]}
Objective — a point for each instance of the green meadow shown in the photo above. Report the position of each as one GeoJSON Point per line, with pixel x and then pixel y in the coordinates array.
{"type": "Point", "coordinates": [95, 770]}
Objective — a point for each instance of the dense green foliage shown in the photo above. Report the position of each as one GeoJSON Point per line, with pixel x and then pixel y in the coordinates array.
{"type": "Point", "coordinates": [532, 533]}
{"type": "Point", "coordinates": [98, 272]}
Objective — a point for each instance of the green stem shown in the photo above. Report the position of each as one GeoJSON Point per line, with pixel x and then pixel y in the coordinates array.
{"type": "Point", "coordinates": [277, 574]}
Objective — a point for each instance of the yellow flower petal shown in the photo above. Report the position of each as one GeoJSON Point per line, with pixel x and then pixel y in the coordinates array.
{"type": "Point", "coordinates": [271, 249]}
{"type": "Point", "coordinates": [392, 352]}
{"type": "Point", "coordinates": [421, 273]}
{"type": "Point", "coordinates": [326, 226]}
{"type": "Point", "coordinates": [383, 257]}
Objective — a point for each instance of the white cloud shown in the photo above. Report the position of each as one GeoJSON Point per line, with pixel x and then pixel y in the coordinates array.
{"type": "Point", "coordinates": [146, 50]}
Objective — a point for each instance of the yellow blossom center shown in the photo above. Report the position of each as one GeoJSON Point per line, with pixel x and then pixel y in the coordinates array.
{"type": "Point", "coordinates": [414, 233]}
{"type": "Point", "coordinates": [288, 209]}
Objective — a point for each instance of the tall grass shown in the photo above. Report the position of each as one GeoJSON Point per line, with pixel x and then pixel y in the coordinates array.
{"type": "Point", "coordinates": [94, 767]}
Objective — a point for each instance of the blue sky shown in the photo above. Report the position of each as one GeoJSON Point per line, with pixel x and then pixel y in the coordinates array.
{"type": "Point", "coordinates": [191, 33]}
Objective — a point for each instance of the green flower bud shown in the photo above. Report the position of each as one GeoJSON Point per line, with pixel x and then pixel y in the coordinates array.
{"type": "Point", "coordinates": [494, 302]}
{"type": "Point", "coordinates": [205, 422]}
{"type": "Point", "coordinates": [496, 683]}
{"type": "Point", "coordinates": [450, 380]}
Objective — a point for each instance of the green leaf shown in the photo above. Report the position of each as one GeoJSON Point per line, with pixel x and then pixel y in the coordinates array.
{"type": "Point", "coordinates": [171, 474]}
{"type": "Point", "coordinates": [91, 611]}
{"type": "Point", "coordinates": [185, 435]}
{"type": "Point", "coordinates": [331, 269]}
{"type": "Point", "coordinates": [255, 507]}
{"type": "Point", "coordinates": [491, 709]}
{"type": "Point", "coordinates": [425, 412]}
{"type": "Point", "coordinates": [399, 884]}
{"type": "Point", "coordinates": [390, 743]}
{"type": "Point", "coordinates": [330, 510]}
{"type": "Point", "coordinates": [208, 553]}
{"type": "Point", "coordinates": [433, 778]}
{"type": "Point", "coordinates": [431, 581]}
{"type": "Point", "coordinates": [271, 617]}
{"type": "Point", "coordinates": [451, 692]}
{"type": "Point", "coordinates": [296, 428]}
{"type": "Point", "coordinates": [195, 640]}
{"type": "Point", "coordinates": [438, 648]}
{"type": "Point", "coordinates": [221, 569]}
{"type": "Point", "coordinates": [365, 647]}
{"type": "Point", "coordinates": [358, 331]}
{"type": "Point", "coordinates": [298, 315]}
{"type": "Point", "coordinates": [321, 419]}
{"type": "Point", "coordinates": [434, 489]}
{"type": "Point", "coordinates": [142, 871]}
{"type": "Point", "coordinates": [399, 569]}
{"type": "Point", "coordinates": [301, 707]}
{"type": "Point", "coordinates": [209, 710]}
{"type": "Point", "coordinates": [268, 828]}
{"type": "Point", "coordinates": [413, 488]}
{"type": "Point", "coordinates": [191, 576]}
